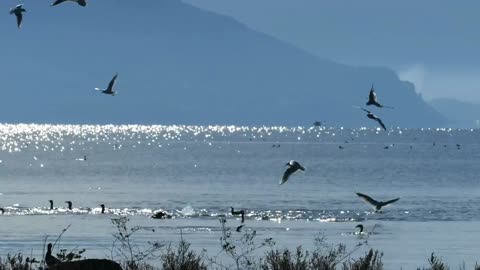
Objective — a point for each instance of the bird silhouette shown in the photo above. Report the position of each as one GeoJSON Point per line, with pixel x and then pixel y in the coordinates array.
{"type": "Point", "coordinates": [109, 90]}
{"type": "Point", "coordinates": [161, 215]}
{"type": "Point", "coordinates": [82, 3]}
{"type": "Point", "coordinates": [239, 228]}
{"type": "Point", "coordinates": [374, 117]}
{"type": "Point", "coordinates": [103, 208]}
{"type": "Point", "coordinates": [69, 203]}
{"type": "Point", "coordinates": [360, 226]}
{"type": "Point", "coordinates": [241, 212]}
{"type": "Point", "coordinates": [51, 204]}
{"type": "Point", "coordinates": [17, 11]}
{"type": "Point", "coordinates": [293, 166]}
{"type": "Point", "coordinates": [376, 204]}
{"type": "Point", "coordinates": [372, 99]}
{"type": "Point", "coordinates": [50, 260]}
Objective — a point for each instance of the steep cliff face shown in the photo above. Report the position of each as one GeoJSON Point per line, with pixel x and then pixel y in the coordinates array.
{"type": "Point", "coordinates": [180, 64]}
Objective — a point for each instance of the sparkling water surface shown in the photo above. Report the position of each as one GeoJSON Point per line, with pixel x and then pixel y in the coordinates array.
{"type": "Point", "coordinates": [197, 172]}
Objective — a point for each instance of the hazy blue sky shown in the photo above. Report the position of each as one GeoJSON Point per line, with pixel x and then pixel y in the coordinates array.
{"type": "Point", "coordinates": [430, 42]}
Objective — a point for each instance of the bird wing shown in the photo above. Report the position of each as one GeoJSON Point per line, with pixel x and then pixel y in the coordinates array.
{"type": "Point", "coordinates": [366, 110]}
{"type": "Point", "coordinates": [381, 123]}
{"type": "Point", "coordinates": [389, 202]}
{"type": "Point", "coordinates": [19, 19]}
{"type": "Point", "coordinates": [368, 199]}
{"type": "Point", "coordinates": [57, 2]}
{"type": "Point", "coordinates": [287, 174]}
{"type": "Point", "coordinates": [112, 83]}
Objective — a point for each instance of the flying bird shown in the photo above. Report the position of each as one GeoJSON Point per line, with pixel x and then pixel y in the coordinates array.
{"type": "Point", "coordinates": [293, 166]}
{"type": "Point", "coordinates": [241, 212]}
{"type": "Point", "coordinates": [109, 90]}
{"type": "Point", "coordinates": [372, 99]}
{"type": "Point", "coordinates": [376, 204]}
{"type": "Point", "coordinates": [82, 3]}
{"type": "Point", "coordinates": [374, 117]}
{"type": "Point", "coordinates": [18, 10]}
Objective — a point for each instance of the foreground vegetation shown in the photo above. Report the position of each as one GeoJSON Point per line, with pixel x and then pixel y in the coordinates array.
{"type": "Point", "coordinates": [242, 252]}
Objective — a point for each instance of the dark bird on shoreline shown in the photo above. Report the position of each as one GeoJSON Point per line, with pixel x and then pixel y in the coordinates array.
{"type": "Point", "coordinates": [103, 208]}
{"type": "Point", "coordinates": [69, 203]}
{"type": "Point", "coordinates": [374, 117]}
{"type": "Point", "coordinates": [2, 210]}
{"type": "Point", "coordinates": [17, 11]}
{"type": "Point", "coordinates": [241, 212]}
{"type": "Point", "coordinates": [161, 215]}
{"type": "Point", "coordinates": [293, 166]}
{"type": "Point", "coordinates": [372, 99]}
{"type": "Point", "coordinates": [109, 90]}
{"type": "Point", "coordinates": [82, 3]}
{"type": "Point", "coordinates": [376, 204]}
{"type": "Point", "coordinates": [51, 204]}
{"type": "Point", "coordinates": [50, 260]}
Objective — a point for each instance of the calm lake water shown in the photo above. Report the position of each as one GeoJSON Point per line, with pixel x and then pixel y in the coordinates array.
{"type": "Point", "coordinates": [197, 172]}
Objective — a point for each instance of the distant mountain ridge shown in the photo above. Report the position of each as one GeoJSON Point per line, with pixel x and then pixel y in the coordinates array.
{"type": "Point", "coordinates": [459, 114]}
{"type": "Point", "coordinates": [179, 64]}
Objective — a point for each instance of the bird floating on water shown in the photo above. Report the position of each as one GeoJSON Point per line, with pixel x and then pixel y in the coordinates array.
{"type": "Point", "coordinates": [374, 117]}
{"type": "Point", "coordinates": [17, 11]}
{"type": "Point", "coordinates": [241, 212]}
{"type": "Point", "coordinates": [360, 226]}
{"type": "Point", "coordinates": [376, 204]}
{"type": "Point", "coordinates": [161, 215]}
{"type": "Point", "coordinates": [69, 203]}
{"type": "Point", "coordinates": [372, 99]}
{"type": "Point", "coordinates": [109, 90]}
{"type": "Point", "coordinates": [82, 3]}
{"type": "Point", "coordinates": [293, 166]}
{"type": "Point", "coordinates": [239, 228]}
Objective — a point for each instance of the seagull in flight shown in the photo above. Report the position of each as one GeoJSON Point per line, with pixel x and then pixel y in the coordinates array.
{"type": "Point", "coordinates": [18, 10]}
{"type": "Point", "coordinates": [374, 117]}
{"type": "Point", "coordinates": [293, 166]}
{"type": "Point", "coordinates": [109, 90]}
{"type": "Point", "coordinates": [82, 3]}
{"type": "Point", "coordinates": [372, 99]}
{"type": "Point", "coordinates": [376, 204]}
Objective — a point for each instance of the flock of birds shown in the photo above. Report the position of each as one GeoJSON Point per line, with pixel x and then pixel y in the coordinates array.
{"type": "Point", "coordinates": [293, 165]}
{"type": "Point", "coordinates": [18, 12]}
{"type": "Point", "coordinates": [19, 9]}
